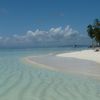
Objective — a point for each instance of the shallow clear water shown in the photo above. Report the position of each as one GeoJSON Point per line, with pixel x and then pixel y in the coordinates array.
{"type": "Point", "coordinates": [22, 81]}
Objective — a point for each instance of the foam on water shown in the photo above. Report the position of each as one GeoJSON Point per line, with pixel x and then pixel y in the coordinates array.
{"type": "Point", "coordinates": [23, 81]}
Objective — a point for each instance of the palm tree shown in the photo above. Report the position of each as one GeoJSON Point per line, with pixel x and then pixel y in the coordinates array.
{"type": "Point", "coordinates": [97, 35]}
{"type": "Point", "coordinates": [94, 32]}
{"type": "Point", "coordinates": [97, 31]}
{"type": "Point", "coordinates": [90, 31]}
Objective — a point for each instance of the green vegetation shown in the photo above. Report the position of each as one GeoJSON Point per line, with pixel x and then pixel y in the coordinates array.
{"type": "Point", "coordinates": [94, 32]}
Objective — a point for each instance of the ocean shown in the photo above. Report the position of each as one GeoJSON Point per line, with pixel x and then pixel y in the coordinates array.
{"type": "Point", "coordinates": [20, 80]}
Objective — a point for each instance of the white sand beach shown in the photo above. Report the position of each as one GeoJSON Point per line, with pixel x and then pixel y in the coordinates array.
{"type": "Point", "coordinates": [90, 55]}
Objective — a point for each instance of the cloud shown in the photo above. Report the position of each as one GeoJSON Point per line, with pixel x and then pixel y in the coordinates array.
{"type": "Point", "coordinates": [53, 37]}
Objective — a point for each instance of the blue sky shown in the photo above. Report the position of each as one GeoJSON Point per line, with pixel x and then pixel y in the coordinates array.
{"type": "Point", "coordinates": [20, 16]}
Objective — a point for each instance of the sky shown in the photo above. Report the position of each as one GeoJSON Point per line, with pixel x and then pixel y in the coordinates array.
{"type": "Point", "coordinates": [43, 22]}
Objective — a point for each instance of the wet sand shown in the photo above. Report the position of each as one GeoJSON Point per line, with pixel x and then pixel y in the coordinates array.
{"type": "Point", "coordinates": [67, 64]}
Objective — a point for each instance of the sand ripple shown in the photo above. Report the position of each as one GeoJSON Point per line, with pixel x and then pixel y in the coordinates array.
{"type": "Point", "coordinates": [23, 81]}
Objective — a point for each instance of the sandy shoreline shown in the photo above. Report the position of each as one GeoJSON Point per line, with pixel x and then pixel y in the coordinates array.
{"type": "Point", "coordinates": [90, 55]}
{"type": "Point", "coordinates": [76, 62]}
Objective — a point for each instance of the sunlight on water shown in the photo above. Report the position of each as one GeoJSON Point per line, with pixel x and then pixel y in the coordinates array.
{"type": "Point", "coordinates": [23, 81]}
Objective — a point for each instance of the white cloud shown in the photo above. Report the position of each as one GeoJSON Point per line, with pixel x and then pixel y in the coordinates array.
{"type": "Point", "coordinates": [56, 30]}
{"type": "Point", "coordinates": [53, 37]}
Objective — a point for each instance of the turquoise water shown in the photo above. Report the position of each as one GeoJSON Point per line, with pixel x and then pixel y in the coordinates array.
{"type": "Point", "coordinates": [20, 80]}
